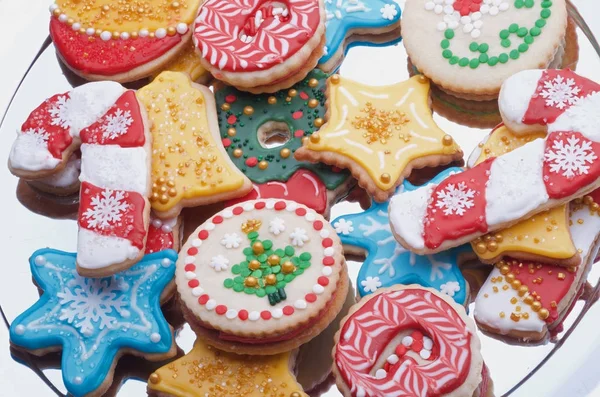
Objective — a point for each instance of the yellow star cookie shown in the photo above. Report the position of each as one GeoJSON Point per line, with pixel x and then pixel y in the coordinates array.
{"type": "Point", "coordinates": [189, 63]}
{"type": "Point", "coordinates": [379, 133]}
{"type": "Point", "coordinates": [544, 237]}
{"type": "Point", "coordinates": [206, 371]}
{"type": "Point", "coordinates": [189, 164]}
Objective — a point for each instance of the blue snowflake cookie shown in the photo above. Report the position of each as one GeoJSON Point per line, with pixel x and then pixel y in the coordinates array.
{"type": "Point", "coordinates": [92, 319]}
{"type": "Point", "coordinates": [388, 263]}
{"type": "Point", "coordinates": [345, 16]}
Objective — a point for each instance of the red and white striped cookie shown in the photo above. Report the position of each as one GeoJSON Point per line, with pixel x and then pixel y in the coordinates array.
{"type": "Point", "coordinates": [501, 191]}
{"type": "Point", "coordinates": [407, 341]}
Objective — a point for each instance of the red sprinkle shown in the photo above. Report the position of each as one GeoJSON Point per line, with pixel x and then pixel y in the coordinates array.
{"type": "Point", "coordinates": [221, 309]}
{"type": "Point", "coordinates": [318, 225]}
{"type": "Point", "coordinates": [280, 205]}
{"type": "Point", "coordinates": [243, 315]}
{"type": "Point", "coordinates": [238, 210]}
{"type": "Point", "coordinates": [297, 115]}
{"type": "Point", "coordinates": [303, 95]}
{"type": "Point", "coordinates": [251, 161]}
{"type": "Point", "coordinates": [288, 310]}
{"type": "Point", "coordinates": [203, 299]}
{"type": "Point", "coordinates": [327, 242]}
{"type": "Point", "coordinates": [310, 298]}
{"type": "Point", "coordinates": [301, 211]}
{"type": "Point", "coordinates": [189, 267]}
{"type": "Point", "coordinates": [323, 281]}
{"type": "Point", "coordinates": [230, 98]}
{"type": "Point", "coordinates": [226, 142]}
{"type": "Point", "coordinates": [299, 133]}
{"type": "Point", "coordinates": [266, 315]}
{"type": "Point", "coordinates": [417, 346]}
{"type": "Point", "coordinates": [217, 219]}
{"type": "Point", "coordinates": [401, 350]}
{"type": "Point", "coordinates": [232, 119]}
{"type": "Point", "coordinates": [386, 367]}
{"type": "Point", "coordinates": [192, 251]}
{"type": "Point", "coordinates": [203, 235]}
{"type": "Point", "coordinates": [260, 205]}
{"type": "Point", "coordinates": [328, 261]}
{"type": "Point", "coordinates": [193, 283]}
{"type": "Point", "coordinates": [417, 335]}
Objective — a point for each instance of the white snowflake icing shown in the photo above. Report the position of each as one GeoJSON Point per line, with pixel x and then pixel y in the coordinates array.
{"type": "Point", "coordinates": [117, 124]}
{"type": "Point", "coordinates": [472, 23]}
{"type": "Point", "coordinates": [276, 226]}
{"type": "Point", "coordinates": [219, 263]}
{"type": "Point", "coordinates": [337, 8]}
{"type": "Point", "coordinates": [343, 226]}
{"type": "Point", "coordinates": [559, 92]}
{"type": "Point", "coordinates": [231, 240]}
{"type": "Point", "coordinates": [298, 237]}
{"type": "Point", "coordinates": [450, 288]}
{"type": "Point", "coordinates": [455, 199]}
{"type": "Point", "coordinates": [106, 209]}
{"type": "Point", "coordinates": [60, 112]}
{"type": "Point", "coordinates": [371, 284]}
{"type": "Point", "coordinates": [35, 138]}
{"type": "Point", "coordinates": [90, 303]}
{"type": "Point", "coordinates": [571, 158]}
{"type": "Point", "coordinates": [388, 11]}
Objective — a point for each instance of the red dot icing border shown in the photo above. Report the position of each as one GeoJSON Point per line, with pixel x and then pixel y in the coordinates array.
{"type": "Point", "coordinates": [242, 314]}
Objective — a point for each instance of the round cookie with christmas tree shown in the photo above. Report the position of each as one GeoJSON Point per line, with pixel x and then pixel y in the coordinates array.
{"type": "Point", "coordinates": [262, 277]}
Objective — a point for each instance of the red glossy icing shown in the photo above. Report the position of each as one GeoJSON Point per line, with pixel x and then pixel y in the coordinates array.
{"type": "Point", "coordinates": [106, 58]}
{"type": "Point", "coordinates": [132, 135]}
{"type": "Point", "coordinates": [59, 138]}
{"type": "Point", "coordinates": [559, 183]}
{"type": "Point", "coordinates": [158, 240]}
{"type": "Point", "coordinates": [539, 112]}
{"type": "Point", "coordinates": [303, 187]}
{"type": "Point", "coordinates": [131, 223]}
{"type": "Point", "coordinates": [440, 227]}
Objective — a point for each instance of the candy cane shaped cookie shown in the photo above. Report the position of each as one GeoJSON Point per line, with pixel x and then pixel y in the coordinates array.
{"type": "Point", "coordinates": [260, 45]}
{"type": "Point", "coordinates": [407, 341]}
{"type": "Point", "coordinates": [120, 41]}
{"type": "Point", "coordinates": [502, 191]}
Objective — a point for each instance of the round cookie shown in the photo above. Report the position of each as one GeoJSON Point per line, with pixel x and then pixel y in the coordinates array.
{"type": "Point", "coordinates": [260, 46]}
{"type": "Point", "coordinates": [261, 278]}
{"type": "Point", "coordinates": [120, 41]}
{"type": "Point", "coordinates": [469, 48]}
{"type": "Point", "coordinates": [407, 340]}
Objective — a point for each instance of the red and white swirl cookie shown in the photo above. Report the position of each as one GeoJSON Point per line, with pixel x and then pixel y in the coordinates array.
{"type": "Point", "coordinates": [260, 45]}
{"type": "Point", "coordinates": [407, 341]}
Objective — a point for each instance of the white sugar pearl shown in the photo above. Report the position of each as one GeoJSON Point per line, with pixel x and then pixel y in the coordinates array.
{"type": "Point", "coordinates": [324, 233]}
{"type": "Point", "coordinates": [467, 28]}
{"type": "Point", "coordinates": [76, 26]}
{"type": "Point", "coordinates": [478, 24]}
{"type": "Point", "coordinates": [166, 262]}
{"type": "Point", "coordinates": [63, 17]}
{"type": "Point", "coordinates": [504, 6]}
{"type": "Point", "coordinates": [197, 291]}
{"type": "Point", "coordinates": [441, 26]}
{"type": "Point", "coordinates": [427, 343]}
{"type": "Point", "coordinates": [453, 25]}
{"type": "Point", "coordinates": [248, 206]}
{"type": "Point", "coordinates": [209, 226]}
{"type": "Point", "coordinates": [494, 11]}
{"type": "Point", "coordinates": [448, 10]}
{"type": "Point", "coordinates": [156, 223]}
{"type": "Point", "coordinates": [106, 35]}
{"type": "Point", "coordinates": [40, 260]}
{"type": "Point", "coordinates": [429, 5]}
{"type": "Point", "coordinates": [182, 28]}
{"type": "Point", "coordinates": [254, 316]}
{"type": "Point", "coordinates": [425, 354]}
{"type": "Point", "coordinates": [211, 304]}
{"type": "Point", "coordinates": [160, 33]}
{"type": "Point", "coordinates": [393, 359]}
{"type": "Point", "coordinates": [227, 213]}
{"type": "Point", "coordinates": [310, 216]}
{"type": "Point", "coordinates": [124, 36]}
{"type": "Point", "coordinates": [231, 314]}
{"type": "Point", "coordinates": [438, 9]}
{"type": "Point", "coordinates": [475, 16]}
{"type": "Point", "coordinates": [144, 33]}
{"type": "Point", "coordinates": [475, 33]}
{"type": "Point", "coordinates": [90, 31]}
{"type": "Point", "coordinates": [407, 341]}
{"type": "Point", "coordinates": [291, 206]}
{"type": "Point", "coordinates": [381, 373]}
{"type": "Point", "coordinates": [484, 9]}
{"type": "Point", "coordinates": [155, 337]}
{"type": "Point", "coordinates": [318, 289]}
{"type": "Point", "coordinates": [277, 313]}
{"type": "Point", "coordinates": [300, 304]}
{"type": "Point", "coordinates": [327, 271]}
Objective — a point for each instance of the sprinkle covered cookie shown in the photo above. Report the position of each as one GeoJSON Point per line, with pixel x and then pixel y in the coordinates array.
{"type": "Point", "coordinates": [262, 277]}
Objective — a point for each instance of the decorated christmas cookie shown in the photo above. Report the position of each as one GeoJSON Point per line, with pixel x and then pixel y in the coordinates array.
{"type": "Point", "coordinates": [205, 370]}
{"type": "Point", "coordinates": [262, 277]}
{"type": "Point", "coordinates": [63, 183]}
{"type": "Point", "coordinates": [351, 20]}
{"type": "Point", "coordinates": [388, 263]}
{"type": "Point", "coordinates": [523, 299]}
{"type": "Point", "coordinates": [379, 133]}
{"type": "Point", "coordinates": [504, 190]}
{"type": "Point", "coordinates": [407, 340]}
{"type": "Point", "coordinates": [189, 165]}
{"type": "Point", "coordinates": [261, 133]}
{"type": "Point", "coordinates": [94, 320]}
{"type": "Point", "coordinates": [120, 41]}
{"type": "Point", "coordinates": [544, 237]}
{"type": "Point", "coordinates": [469, 48]}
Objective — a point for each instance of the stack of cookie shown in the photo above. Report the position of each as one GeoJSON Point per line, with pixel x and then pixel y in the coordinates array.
{"type": "Point", "coordinates": [252, 166]}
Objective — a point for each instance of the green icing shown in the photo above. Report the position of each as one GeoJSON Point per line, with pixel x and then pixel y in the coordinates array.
{"type": "Point", "coordinates": [522, 37]}
{"type": "Point", "coordinates": [299, 118]}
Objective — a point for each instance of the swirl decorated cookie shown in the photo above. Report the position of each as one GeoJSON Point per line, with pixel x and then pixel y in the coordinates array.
{"type": "Point", "coordinates": [189, 165]}
{"type": "Point", "coordinates": [206, 369]}
{"type": "Point", "coordinates": [261, 133]}
{"type": "Point", "coordinates": [387, 263]}
{"type": "Point", "coordinates": [379, 133]}
{"type": "Point", "coordinates": [262, 277]}
{"type": "Point", "coordinates": [468, 48]}
{"type": "Point", "coordinates": [407, 340]}
{"type": "Point", "coordinates": [357, 21]}
{"type": "Point", "coordinates": [110, 127]}
{"type": "Point", "coordinates": [120, 41]}
{"type": "Point", "coordinates": [95, 320]}
{"type": "Point", "coordinates": [507, 189]}
{"type": "Point", "coordinates": [545, 237]}
{"type": "Point", "coordinates": [260, 45]}
{"type": "Point", "coordinates": [524, 299]}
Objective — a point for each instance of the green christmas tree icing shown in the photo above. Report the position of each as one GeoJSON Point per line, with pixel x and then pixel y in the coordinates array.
{"type": "Point", "coordinates": [267, 270]}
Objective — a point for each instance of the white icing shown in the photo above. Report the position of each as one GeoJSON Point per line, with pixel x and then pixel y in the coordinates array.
{"type": "Point", "coordinates": [95, 251]}
{"type": "Point", "coordinates": [30, 152]}
{"type": "Point", "coordinates": [515, 95]}
{"type": "Point", "coordinates": [584, 117]}
{"type": "Point", "coordinates": [88, 102]}
{"type": "Point", "coordinates": [67, 177]}
{"type": "Point", "coordinates": [407, 211]}
{"type": "Point", "coordinates": [115, 167]}
{"type": "Point", "coordinates": [516, 185]}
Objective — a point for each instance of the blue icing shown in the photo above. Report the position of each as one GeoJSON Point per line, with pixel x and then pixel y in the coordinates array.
{"type": "Point", "coordinates": [93, 318]}
{"type": "Point", "coordinates": [345, 15]}
{"type": "Point", "coordinates": [388, 263]}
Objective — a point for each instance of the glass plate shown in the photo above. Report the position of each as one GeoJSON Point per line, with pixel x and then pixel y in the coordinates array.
{"type": "Point", "coordinates": [36, 220]}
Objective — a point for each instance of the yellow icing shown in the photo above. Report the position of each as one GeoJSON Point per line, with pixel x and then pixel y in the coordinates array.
{"type": "Point", "coordinates": [188, 62]}
{"type": "Point", "coordinates": [129, 16]}
{"type": "Point", "coordinates": [188, 159]}
{"type": "Point", "coordinates": [382, 129]}
{"type": "Point", "coordinates": [206, 371]}
{"type": "Point", "coordinates": [545, 234]}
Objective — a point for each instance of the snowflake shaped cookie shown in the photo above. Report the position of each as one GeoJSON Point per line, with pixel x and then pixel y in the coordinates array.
{"type": "Point", "coordinates": [93, 319]}
{"type": "Point", "coordinates": [106, 209]}
{"type": "Point", "coordinates": [299, 237]}
{"type": "Point", "coordinates": [560, 92]}
{"type": "Point", "coordinates": [455, 199]}
{"type": "Point", "coordinates": [571, 158]}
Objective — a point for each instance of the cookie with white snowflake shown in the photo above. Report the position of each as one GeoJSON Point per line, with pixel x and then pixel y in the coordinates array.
{"type": "Point", "coordinates": [262, 277]}
{"type": "Point", "coordinates": [468, 48]}
{"type": "Point", "coordinates": [96, 320]}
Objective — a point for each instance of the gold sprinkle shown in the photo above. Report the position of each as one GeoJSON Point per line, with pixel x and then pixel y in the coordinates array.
{"type": "Point", "coordinates": [285, 153]}
{"type": "Point", "coordinates": [154, 378]}
{"type": "Point", "coordinates": [385, 178]}
{"type": "Point", "coordinates": [252, 225]}
{"type": "Point", "coordinates": [543, 314]}
{"type": "Point", "coordinates": [272, 100]}
{"type": "Point", "coordinates": [561, 276]}
{"type": "Point", "coordinates": [318, 122]}
{"type": "Point", "coordinates": [315, 138]}
{"type": "Point", "coordinates": [502, 315]}
{"type": "Point", "coordinates": [447, 140]}
{"type": "Point", "coordinates": [379, 125]}
{"type": "Point", "coordinates": [335, 79]}
{"type": "Point", "coordinates": [248, 110]}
